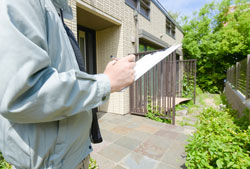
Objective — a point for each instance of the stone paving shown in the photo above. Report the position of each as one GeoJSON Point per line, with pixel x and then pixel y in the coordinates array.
{"type": "Point", "coordinates": [134, 142]}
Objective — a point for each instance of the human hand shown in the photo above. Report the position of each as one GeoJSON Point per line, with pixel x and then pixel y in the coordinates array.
{"type": "Point", "coordinates": [121, 72]}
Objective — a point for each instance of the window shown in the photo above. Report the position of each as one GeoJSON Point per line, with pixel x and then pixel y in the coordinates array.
{"type": "Point", "coordinates": [143, 47]}
{"type": "Point", "coordinates": [144, 6]}
{"type": "Point", "coordinates": [132, 3]}
{"type": "Point", "coordinates": [170, 28]}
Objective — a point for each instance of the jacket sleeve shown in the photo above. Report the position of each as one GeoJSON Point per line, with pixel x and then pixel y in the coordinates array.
{"type": "Point", "coordinates": [31, 91]}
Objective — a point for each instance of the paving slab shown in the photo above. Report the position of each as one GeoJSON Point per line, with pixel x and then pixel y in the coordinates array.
{"type": "Point", "coordinates": [147, 128]}
{"type": "Point", "coordinates": [102, 162]}
{"type": "Point", "coordinates": [114, 152]}
{"type": "Point", "coordinates": [119, 167]}
{"type": "Point", "coordinates": [151, 150]}
{"type": "Point", "coordinates": [161, 165]}
{"type": "Point", "coordinates": [176, 155]}
{"type": "Point", "coordinates": [135, 142]}
{"type": "Point", "coordinates": [109, 135]}
{"type": "Point", "coordinates": [122, 130]}
{"type": "Point", "coordinates": [128, 142]}
{"type": "Point", "coordinates": [137, 161]}
{"type": "Point", "coordinates": [167, 134]}
{"type": "Point", "coordinates": [139, 135]}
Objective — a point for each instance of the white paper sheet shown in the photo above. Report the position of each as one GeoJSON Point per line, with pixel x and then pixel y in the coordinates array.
{"type": "Point", "coordinates": [150, 60]}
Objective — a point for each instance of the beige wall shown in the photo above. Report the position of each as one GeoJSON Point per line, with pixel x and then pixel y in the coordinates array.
{"type": "Point", "coordinates": [119, 40]}
{"type": "Point", "coordinates": [157, 26]}
{"type": "Point", "coordinates": [110, 42]}
{"type": "Point", "coordinates": [72, 23]}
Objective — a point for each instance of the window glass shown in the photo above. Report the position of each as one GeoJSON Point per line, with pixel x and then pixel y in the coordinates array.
{"type": "Point", "coordinates": [132, 3]}
{"type": "Point", "coordinates": [170, 28]}
{"type": "Point", "coordinates": [149, 48]}
{"type": "Point", "coordinates": [145, 7]}
{"type": "Point", "coordinates": [142, 48]}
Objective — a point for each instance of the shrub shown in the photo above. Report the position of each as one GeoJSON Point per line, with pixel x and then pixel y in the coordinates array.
{"type": "Point", "coordinates": [218, 142]}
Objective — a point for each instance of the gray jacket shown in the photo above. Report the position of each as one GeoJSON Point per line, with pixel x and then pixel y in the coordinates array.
{"type": "Point", "coordinates": [45, 101]}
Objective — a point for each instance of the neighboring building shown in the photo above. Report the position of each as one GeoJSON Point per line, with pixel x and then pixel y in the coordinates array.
{"type": "Point", "coordinates": [113, 27]}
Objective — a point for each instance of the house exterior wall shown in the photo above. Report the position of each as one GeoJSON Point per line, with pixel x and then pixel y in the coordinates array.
{"type": "Point", "coordinates": [119, 40]}
{"type": "Point", "coordinates": [72, 24]}
{"type": "Point", "coordinates": [156, 25]}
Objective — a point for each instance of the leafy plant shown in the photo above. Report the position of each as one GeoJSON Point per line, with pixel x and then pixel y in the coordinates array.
{"type": "Point", "coordinates": [3, 163]}
{"type": "Point", "coordinates": [188, 86]}
{"type": "Point", "coordinates": [92, 164]}
{"type": "Point", "coordinates": [218, 142]}
{"type": "Point", "coordinates": [154, 114]}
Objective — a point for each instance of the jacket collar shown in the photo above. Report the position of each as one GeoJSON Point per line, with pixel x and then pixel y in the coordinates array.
{"type": "Point", "coordinates": [63, 4]}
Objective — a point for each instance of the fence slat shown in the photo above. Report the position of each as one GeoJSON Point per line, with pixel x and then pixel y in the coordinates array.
{"type": "Point", "coordinates": [194, 81]}
{"type": "Point", "coordinates": [247, 78]}
{"type": "Point", "coordinates": [174, 87]}
{"type": "Point", "coordinates": [237, 75]}
{"type": "Point", "coordinates": [159, 84]}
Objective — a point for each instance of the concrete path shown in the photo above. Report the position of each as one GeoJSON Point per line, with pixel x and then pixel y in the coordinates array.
{"type": "Point", "coordinates": [135, 142]}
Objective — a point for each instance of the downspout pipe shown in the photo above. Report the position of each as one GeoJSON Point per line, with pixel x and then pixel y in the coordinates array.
{"type": "Point", "coordinates": [136, 29]}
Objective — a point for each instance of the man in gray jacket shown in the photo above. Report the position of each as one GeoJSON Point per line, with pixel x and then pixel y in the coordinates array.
{"type": "Point", "coordinates": [45, 101]}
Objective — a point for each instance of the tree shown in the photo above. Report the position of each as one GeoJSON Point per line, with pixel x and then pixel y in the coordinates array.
{"type": "Point", "coordinates": [217, 38]}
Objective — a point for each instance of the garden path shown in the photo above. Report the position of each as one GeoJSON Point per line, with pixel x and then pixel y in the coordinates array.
{"type": "Point", "coordinates": [135, 142]}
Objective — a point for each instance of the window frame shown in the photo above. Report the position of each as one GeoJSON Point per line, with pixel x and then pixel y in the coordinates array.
{"type": "Point", "coordinates": [146, 7]}
{"type": "Point", "coordinates": [139, 3]}
{"type": "Point", "coordinates": [170, 28]}
{"type": "Point", "coordinates": [134, 7]}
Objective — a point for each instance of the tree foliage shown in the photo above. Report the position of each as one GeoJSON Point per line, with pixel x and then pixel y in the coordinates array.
{"type": "Point", "coordinates": [218, 36]}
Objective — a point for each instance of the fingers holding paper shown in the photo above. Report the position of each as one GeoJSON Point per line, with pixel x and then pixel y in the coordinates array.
{"type": "Point", "coordinates": [121, 72]}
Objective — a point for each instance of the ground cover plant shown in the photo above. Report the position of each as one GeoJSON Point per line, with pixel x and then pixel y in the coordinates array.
{"type": "Point", "coordinates": [222, 140]}
{"type": "Point", "coordinates": [154, 114]}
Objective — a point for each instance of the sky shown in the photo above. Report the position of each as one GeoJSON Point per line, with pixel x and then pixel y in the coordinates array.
{"type": "Point", "coordinates": [184, 7]}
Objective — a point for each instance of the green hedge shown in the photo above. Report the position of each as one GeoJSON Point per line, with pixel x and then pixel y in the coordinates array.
{"type": "Point", "coordinates": [221, 141]}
